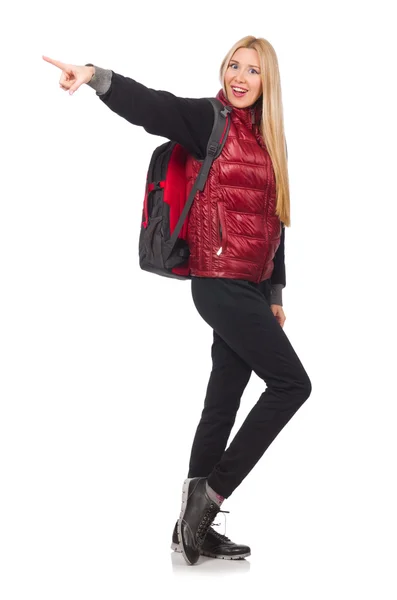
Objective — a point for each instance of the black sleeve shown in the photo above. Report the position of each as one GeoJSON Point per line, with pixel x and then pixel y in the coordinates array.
{"type": "Point", "coordinates": [278, 275]}
{"type": "Point", "coordinates": [187, 121]}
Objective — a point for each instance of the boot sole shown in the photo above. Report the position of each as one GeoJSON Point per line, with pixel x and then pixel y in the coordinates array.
{"type": "Point", "coordinates": [223, 557]}
{"type": "Point", "coordinates": [177, 548]}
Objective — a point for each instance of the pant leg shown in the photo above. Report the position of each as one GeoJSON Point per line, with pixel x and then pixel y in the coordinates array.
{"type": "Point", "coordinates": [228, 380]}
{"type": "Point", "coordinates": [236, 311]}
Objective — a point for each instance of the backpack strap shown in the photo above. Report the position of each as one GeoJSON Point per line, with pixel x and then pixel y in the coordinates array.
{"type": "Point", "coordinates": [217, 139]}
{"type": "Point", "coordinates": [215, 145]}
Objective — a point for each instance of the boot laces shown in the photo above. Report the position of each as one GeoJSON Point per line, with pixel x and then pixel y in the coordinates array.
{"type": "Point", "coordinates": [220, 536]}
{"type": "Point", "coordinates": [208, 518]}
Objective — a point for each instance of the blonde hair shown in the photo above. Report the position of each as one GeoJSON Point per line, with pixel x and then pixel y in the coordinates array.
{"type": "Point", "coordinates": [272, 122]}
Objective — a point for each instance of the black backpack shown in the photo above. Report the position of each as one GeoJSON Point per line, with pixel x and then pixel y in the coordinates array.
{"type": "Point", "coordinates": [163, 247]}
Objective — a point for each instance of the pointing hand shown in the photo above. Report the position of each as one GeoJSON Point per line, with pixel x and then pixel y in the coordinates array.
{"type": "Point", "coordinates": [72, 76]}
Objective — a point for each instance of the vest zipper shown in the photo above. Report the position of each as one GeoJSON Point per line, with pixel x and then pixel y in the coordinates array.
{"type": "Point", "coordinates": [221, 228]}
{"type": "Point", "coordinates": [267, 253]}
{"type": "Point", "coordinates": [220, 237]}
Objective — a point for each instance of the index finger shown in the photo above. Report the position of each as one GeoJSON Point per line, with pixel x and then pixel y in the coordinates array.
{"type": "Point", "coordinates": [57, 63]}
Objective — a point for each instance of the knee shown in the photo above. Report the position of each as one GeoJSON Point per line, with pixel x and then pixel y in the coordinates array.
{"type": "Point", "coordinates": [295, 390]}
{"type": "Point", "coordinates": [305, 388]}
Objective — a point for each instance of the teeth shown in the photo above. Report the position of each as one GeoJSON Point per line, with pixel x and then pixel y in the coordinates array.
{"type": "Point", "coordinates": [239, 89]}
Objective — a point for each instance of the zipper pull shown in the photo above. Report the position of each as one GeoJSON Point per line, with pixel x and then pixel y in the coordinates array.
{"type": "Point", "coordinates": [219, 251]}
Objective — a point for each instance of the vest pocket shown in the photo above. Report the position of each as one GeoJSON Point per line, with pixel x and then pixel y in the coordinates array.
{"type": "Point", "coordinates": [222, 231]}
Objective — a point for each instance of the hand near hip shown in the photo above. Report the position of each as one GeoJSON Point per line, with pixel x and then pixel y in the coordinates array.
{"type": "Point", "coordinates": [278, 312]}
{"type": "Point", "coordinates": [73, 76]}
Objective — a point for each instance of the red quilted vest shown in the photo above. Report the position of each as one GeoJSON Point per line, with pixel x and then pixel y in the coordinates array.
{"type": "Point", "coordinates": [233, 230]}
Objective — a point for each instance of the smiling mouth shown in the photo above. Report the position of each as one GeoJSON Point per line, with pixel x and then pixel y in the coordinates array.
{"type": "Point", "coordinates": [237, 93]}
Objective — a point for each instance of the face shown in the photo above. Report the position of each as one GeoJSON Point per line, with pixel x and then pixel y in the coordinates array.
{"type": "Point", "coordinates": [243, 72]}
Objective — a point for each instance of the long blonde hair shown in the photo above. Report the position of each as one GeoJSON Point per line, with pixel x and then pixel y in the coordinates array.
{"type": "Point", "coordinates": [272, 122]}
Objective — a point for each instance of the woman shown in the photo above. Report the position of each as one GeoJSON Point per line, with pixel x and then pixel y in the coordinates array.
{"type": "Point", "coordinates": [236, 240]}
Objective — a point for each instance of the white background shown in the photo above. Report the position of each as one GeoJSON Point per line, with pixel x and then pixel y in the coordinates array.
{"type": "Point", "coordinates": [104, 367]}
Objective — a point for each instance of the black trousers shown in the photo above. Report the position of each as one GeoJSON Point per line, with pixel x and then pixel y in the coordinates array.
{"type": "Point", "coordinates": [247, 337]}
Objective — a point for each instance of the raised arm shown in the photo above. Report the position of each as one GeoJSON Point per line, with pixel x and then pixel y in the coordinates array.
{"type": "Point", "coordinates": [187, 121]}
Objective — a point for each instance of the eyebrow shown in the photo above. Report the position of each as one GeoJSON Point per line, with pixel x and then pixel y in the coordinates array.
{"type": "Point", "coordinates": [236, 61]}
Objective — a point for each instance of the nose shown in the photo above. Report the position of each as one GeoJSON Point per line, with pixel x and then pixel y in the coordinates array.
{"type": "Point", "coordinates": [239, 80]}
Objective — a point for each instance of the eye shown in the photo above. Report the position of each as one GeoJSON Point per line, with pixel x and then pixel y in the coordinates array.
{"type": "Point", "coordinates": [235, 65]}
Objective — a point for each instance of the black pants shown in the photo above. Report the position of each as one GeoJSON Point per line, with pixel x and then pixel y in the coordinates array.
{"type": "Point", "coordinates": [247, 337]}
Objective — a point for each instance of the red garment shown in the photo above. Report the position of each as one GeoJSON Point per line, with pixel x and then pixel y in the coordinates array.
{"type": "Point", "coordinates": [233, 230]}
